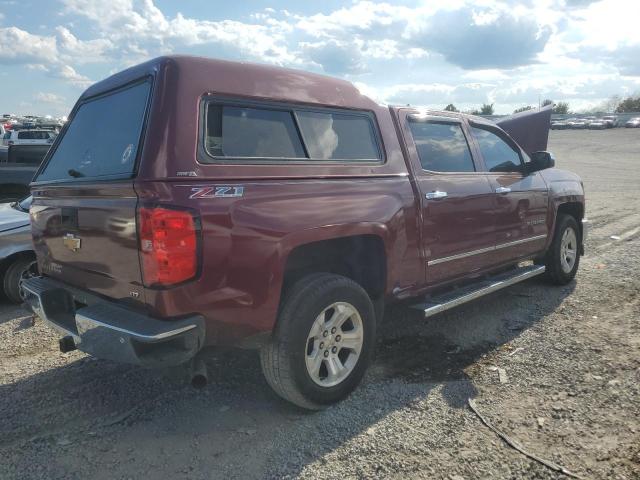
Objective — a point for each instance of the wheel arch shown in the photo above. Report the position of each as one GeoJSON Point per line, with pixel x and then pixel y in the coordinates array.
{"type": "Point", "coordinates": [360, 256]}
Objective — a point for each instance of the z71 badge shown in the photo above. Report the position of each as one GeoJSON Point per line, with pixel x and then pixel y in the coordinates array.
{"type": "Point", "coordinates": [217, 192]}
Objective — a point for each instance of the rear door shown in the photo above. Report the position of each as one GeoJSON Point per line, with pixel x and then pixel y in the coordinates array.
{"type": "Point", "coordinates": [521, 199]}
{"type": "Point", "coordinates": [458, 233]}
{"type": "Point", "coordinates": [84, 206]}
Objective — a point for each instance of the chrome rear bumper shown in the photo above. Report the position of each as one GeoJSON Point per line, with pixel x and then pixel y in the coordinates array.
{"type": "Point", "coordinates": [108, 330]}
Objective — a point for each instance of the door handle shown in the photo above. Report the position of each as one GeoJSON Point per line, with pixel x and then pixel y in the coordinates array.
{"type": "Point", "coordinates": [503, 190]}
{"type": "Point", "coordinates": [436, 195]}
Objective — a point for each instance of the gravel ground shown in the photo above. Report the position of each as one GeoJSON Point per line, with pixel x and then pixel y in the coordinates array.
{"type": "Point", "coordinates": [569, 393]}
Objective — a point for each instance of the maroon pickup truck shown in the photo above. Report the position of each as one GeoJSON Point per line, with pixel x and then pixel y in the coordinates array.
{"type": "Point", "coordinates": [192, 202]}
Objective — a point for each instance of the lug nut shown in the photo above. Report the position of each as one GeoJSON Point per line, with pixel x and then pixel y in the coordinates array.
{"type": "Point", "coordinates": [338, 337]}
{"type": "Point", "coordinates": [334, 349]}
{"type": "Point", "coordinates": [326, 353]}
{"type": "Point", "coordinates": [333, 330]}
{"type": "Point", "coordinates": [325, 333]}
{"type": "Point", "coordinates": [321, 345]}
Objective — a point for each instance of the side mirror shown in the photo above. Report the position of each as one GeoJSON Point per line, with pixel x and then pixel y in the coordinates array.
{"type": "Point", "coordinates": [541, 161]}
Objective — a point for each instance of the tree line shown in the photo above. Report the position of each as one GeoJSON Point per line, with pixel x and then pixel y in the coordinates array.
{"type": "Point", "coordinates": [613, 104]}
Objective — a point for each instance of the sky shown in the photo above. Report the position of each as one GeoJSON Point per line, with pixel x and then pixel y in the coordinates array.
{"type": "Point", "coordinates": [424, 53]}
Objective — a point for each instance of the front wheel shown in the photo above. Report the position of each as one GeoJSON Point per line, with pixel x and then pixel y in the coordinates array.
{"type": "Point", "coordinates": [323, 343]}
{"type": "Point", "coordinates": [563, 257]}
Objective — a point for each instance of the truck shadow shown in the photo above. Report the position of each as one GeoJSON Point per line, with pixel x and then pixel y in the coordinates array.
{"type": "Point", "coordinates": [237, 423]}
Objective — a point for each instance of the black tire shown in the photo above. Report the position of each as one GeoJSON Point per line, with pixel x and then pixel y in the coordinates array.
{"type": "Point", "coordinates": [12, 276]}
{"type": "Point", "coordinates": [283, 358]}
{"type": "Point", "coordinates": [553, 259]}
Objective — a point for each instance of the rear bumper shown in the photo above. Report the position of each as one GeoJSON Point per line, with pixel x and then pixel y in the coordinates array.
{"type": "Point", "coordinates": [110, 331]}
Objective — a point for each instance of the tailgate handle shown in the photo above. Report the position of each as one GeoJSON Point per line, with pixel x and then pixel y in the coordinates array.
{"type": "Point", "coordinates": [436, 195]}
{"type": "Point", "coordinates": [503, 190]}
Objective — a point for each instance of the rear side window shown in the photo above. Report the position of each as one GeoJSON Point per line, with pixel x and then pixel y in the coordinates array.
{"type": "Point", "coordinates": [335, 136]}
{"type": "Point", "coordinates": [442, 147]}
{"type": "Point", "coordinates": [103, 137]}
{"type": "Point", "coordinates": [288, 134]}
{"type": "Point", "coordinates": [252, 132]}
{"type": "Point", "coordinates": [498, 155]}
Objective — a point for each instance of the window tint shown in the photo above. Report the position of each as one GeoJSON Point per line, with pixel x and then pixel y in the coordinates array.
{"type": "Point", "coordinates": [33, 135]}
{"type": "Point", "coordinates": [102, 138]}
{"type": "Point", "coordinates": [252, 132]}
{"type": "Point", "coordinates": [285, 134]}
{"type": "Point", "coordinates": [29, 154]}
{"type": "Point", "coordinates": [442, 147]}
{"type": "Point", "coordinates": [498, 155]}
{"type": "Point", "coordinates": [336, 136]}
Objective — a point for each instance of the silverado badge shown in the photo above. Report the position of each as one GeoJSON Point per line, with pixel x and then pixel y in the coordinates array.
{"type": "Point", "coordinates": [71, 242]}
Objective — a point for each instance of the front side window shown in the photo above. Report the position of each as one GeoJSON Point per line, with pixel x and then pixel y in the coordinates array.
{"type": "Point", "coordinates": [102, 138]}
{"type": "Point", "coordinates": [442, 147]}
{"type": "Point", "coordinates": [498, 155]}
{"type": "Point", "coordinates": [287, 134]}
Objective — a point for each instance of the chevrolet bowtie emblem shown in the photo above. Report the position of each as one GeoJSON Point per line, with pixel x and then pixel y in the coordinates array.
{"type": "Point", "coordinates": [71, 242]}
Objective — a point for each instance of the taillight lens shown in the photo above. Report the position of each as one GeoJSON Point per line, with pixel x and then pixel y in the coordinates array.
{"type": "Point", "coordinates": [168, 245]}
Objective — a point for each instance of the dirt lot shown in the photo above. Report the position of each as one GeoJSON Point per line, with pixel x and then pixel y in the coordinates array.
{"type": "Point", "coordinates": [571, 394]}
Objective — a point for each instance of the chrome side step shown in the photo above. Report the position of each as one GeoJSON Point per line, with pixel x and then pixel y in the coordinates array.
{"type": "Point", "coordinates": [462, 295]}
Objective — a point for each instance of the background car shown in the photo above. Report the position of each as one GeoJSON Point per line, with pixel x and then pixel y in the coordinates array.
{"type": "Point", "coordinates": [17, 259]}
{"type": "Point", "coordinates": [577, 123]}
{"type": "Point", "coordinates": [598, 124]}
{"type": "Point", "coordinates": [31, 137]}
{"type": "Point", "coordinates": [558, 125]}
{"type": "Point", "coordinates": [611, 120]}
{"type": "Point", "coordinates": [633, 123]}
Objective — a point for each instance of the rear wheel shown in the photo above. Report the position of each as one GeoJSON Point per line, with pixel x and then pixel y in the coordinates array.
{"type": "Point", "coordinates": [20, 269]}
{"type": "Point", "coordinates": [323, 343]}
{"type": "Point", "coordinates": [563, 257]}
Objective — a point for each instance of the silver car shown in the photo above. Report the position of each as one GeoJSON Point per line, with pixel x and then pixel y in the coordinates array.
{"type": "Point", "coordinates": [633, 123]}
{"type": "Point", "coordinates": [17, 259]}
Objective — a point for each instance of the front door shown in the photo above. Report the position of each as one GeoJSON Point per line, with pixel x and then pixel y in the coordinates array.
{"type": "Point", "coordinates": [457, 205]}
{"type": "Point", "coordinates": [521, 199]}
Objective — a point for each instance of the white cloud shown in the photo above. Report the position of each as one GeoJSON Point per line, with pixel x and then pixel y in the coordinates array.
{"type": "Point", "coordinates": [82, 51]}
{"type": "Point", "coordinates": [20, 46]}
{"type": "Point", "coordinates": [437, 52]}
{"type": "Point", "coordinates": [49, 98]}
{"type": "Point", "coordinates": [68, 73]}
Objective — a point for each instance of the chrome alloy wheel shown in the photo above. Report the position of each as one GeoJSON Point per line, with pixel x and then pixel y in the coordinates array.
{"type": "Point", "coordinates": [568, 250]}
{"type": "Point", "coordinates": [334, 344]}
{"type": "Point", "coordinates": [31, 270]}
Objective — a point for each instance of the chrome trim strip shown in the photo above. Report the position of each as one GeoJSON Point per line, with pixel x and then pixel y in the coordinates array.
{"type": "Point", "coordinates": [484, 250]}
{"type": "Point", "coordinates": [497, 285]}
{"type": "Point", "coordinates": [460, 255]}
{"type": "Point", "coordinates": [87, 323]}
{"type": "Point", "coordinates": [518, 242]}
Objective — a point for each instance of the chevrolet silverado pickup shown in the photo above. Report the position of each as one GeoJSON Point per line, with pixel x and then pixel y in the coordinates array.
{"type": "Point", "coordinates": [192, 203]}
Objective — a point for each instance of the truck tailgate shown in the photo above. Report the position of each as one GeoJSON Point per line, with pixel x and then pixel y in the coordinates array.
{"type": "Point", "coordinates": [86, 237]}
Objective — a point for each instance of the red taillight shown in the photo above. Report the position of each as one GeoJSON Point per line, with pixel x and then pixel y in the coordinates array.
{"type": "Point", "coordinates": [168, 245]}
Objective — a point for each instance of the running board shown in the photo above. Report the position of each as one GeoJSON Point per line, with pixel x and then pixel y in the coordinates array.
{"type": "Point", "coordinates": [471, 292]}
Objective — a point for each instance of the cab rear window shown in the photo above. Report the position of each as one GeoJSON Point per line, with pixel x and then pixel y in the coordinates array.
{"type": "Point", "coordinates": [102, 139]}
{"type": "Point", "coordinates": [279, 134]}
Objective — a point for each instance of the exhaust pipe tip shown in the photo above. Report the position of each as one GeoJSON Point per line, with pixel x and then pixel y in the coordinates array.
{"type": "Point", "coordinates": [199, 374]}
{"type": "Point", "coordinates": [67, 344]}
